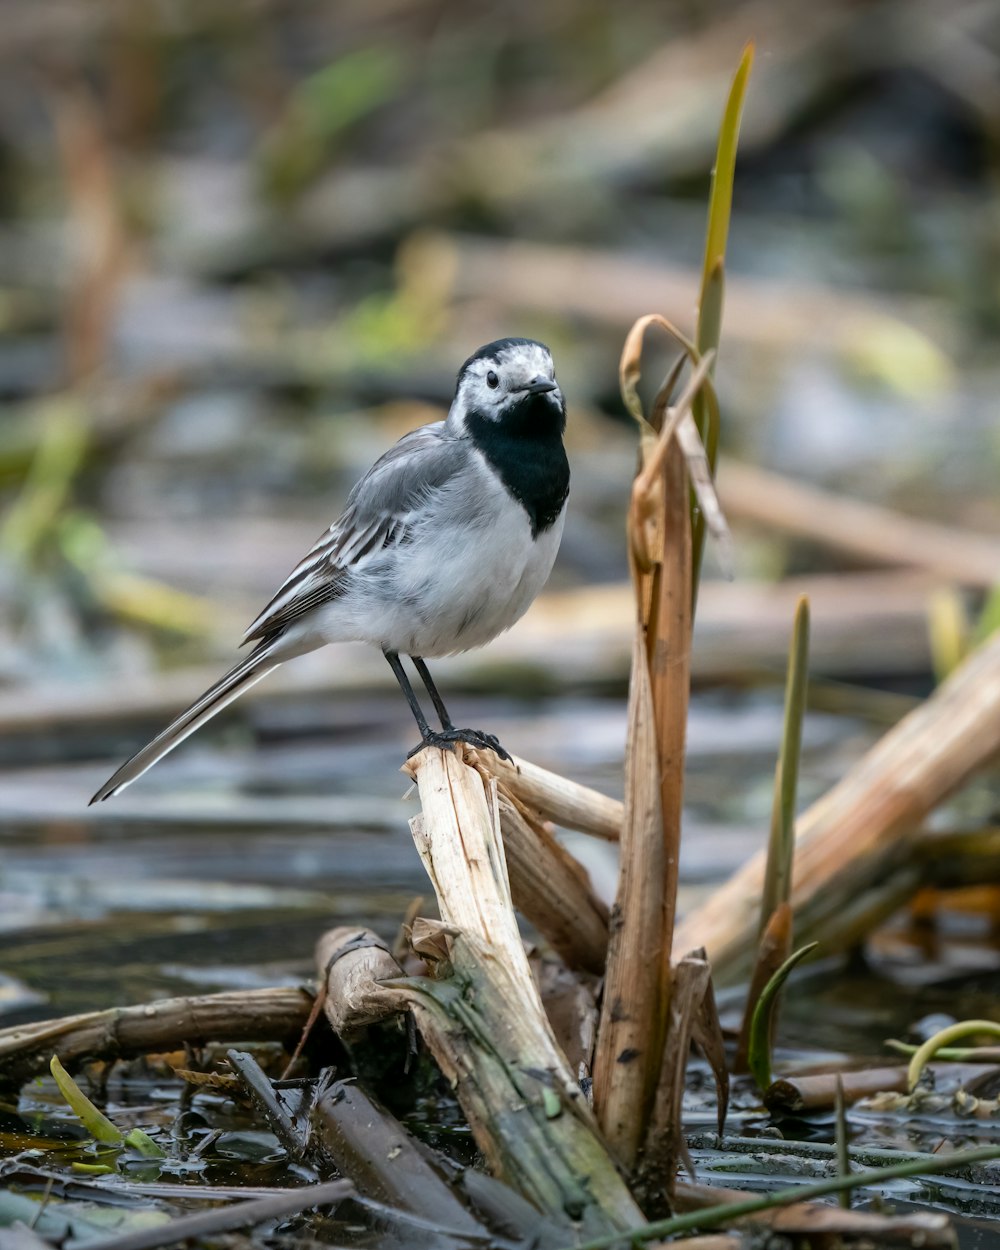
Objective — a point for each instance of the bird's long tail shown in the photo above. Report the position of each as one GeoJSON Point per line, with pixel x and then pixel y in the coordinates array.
{"type": "Point", "coordinates": [257, 664]}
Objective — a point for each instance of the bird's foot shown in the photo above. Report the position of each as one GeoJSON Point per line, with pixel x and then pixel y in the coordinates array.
{"type": "Point", "coordinates": [473, 737]}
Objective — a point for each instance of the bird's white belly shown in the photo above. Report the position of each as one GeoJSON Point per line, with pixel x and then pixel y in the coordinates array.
{"type": "Point", "coordinates": [450, 592]}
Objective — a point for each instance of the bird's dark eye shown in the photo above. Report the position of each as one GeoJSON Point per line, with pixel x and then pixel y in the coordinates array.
{"type": "Point", "coordinates": [492, 381]}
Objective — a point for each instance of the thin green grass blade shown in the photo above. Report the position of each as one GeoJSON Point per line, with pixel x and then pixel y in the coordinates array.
{"type": "Point", "coordinates": [963, 1028]}
{"type": "Point", "coordinates": [95, 1122]}
{"type": "Point", "coordinates": [989, 617]}
{"type": "Point", "coordinates": [713, 281]}
{"type": "Point", "coordinates": [721, 199]}
{"type": "Point", "coordinates": [759, 1044]}
{"type": "Point", "coordinates": [841, 1143]}
{"type": "Point", "coordinates": [727, 1212]}
{"type": "Point", "coordinates": [947, 1054]}
{"type": "Point", "coordinates": [949, 631]}
{"type": "Point", "coordinates": [781, 847]}
{"type": "Point", "coordinates": [713, 290]}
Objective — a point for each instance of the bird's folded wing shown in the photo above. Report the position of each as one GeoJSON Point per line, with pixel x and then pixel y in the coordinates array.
{"type": "Point", "coordinates": [378, 512]}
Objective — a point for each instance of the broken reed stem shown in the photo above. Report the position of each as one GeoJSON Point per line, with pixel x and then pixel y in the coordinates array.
{"type": "Point", "coordinates": [169, 1024]}
{"type": "Point", "coordinates": [637, 985]}
{"type": "Point", "coordinates": [564, 802]}
{"type": "Point", "coordinates": [792, 1095]}
{"type": "Point", "coordinates": [552, 890]}
{"type": "Point", "coordinates": [484, 1022]}
{"type": "Point", "coordinates": [809, 1223]}
{"type": "Point", "coordinates": [664, 1144]}
{"type": "Point", "coordinates": [843, 839]}
{"type": "Point", "coordinates": [351, 962]}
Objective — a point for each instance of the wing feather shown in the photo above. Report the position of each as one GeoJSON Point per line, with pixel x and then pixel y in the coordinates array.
{"type": "Point", "coordinates": [375, 517]}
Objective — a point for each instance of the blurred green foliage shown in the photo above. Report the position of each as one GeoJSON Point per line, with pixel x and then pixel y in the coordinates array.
{"type": "Point", "coordinates": [320, 110]}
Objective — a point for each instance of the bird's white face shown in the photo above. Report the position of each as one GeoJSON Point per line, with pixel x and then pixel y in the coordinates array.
{"type": "Point", "coordinates": [503, 375]}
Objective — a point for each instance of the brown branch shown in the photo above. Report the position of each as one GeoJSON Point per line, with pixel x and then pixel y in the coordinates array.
{"type": "Point", "coordinates": [865, 530]}
{"type": "Point", "coordinates": [124, 1032]}
{"type": "Point", "coordinates": [842, 840]}
{"type": "Point", "coordinates": [549, 888]}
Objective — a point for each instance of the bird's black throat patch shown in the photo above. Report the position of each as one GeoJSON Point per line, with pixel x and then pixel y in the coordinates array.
{"type": "Point", "coordinates": [526, 450]}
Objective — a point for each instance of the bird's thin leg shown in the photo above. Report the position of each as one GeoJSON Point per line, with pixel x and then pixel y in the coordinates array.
{"type": "Point", "coordinates": [404, 684]}
{"type": "Point", "coordinates": [425, 676]}
{"type": "Point", "coordinates": [474, 737]}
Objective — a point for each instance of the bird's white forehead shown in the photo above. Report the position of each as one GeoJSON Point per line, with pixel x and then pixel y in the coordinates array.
{"type": "Point", "coordinates": [527, 359]}
{"type": "Point", "coordinates": [531, 357]}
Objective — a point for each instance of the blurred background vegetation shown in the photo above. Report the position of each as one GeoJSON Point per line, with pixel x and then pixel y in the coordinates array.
{"type": "Point", "coordinates": [244, 246]}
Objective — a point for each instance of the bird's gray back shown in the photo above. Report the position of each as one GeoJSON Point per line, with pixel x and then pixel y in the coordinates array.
{"type": "Point", "coordinates": [379, 513]}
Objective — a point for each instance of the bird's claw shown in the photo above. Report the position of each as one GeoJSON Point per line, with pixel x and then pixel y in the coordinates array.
{"type": "Point", "coordinates": [472, 737]}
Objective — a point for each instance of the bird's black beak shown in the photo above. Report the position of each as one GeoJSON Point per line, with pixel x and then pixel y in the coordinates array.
{"type": "Point", "coordinates": [538, 386]}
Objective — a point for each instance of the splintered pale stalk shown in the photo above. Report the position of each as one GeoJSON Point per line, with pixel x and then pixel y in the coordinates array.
{"type": "Point", "coordinates": [485, 1023]}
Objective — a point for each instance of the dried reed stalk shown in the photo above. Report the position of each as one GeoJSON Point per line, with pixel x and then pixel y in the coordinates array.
{"type": "Point", "coordinates": [637, 985]}
{"type": "Point", "coordinates": [664, 1143]}
{"type": "Point", "coordinates": [864, 530]}
{"type": "Point", "coordinates": [816, 1224]}
{"type": "Point", "coordinates": [484, 1021]}
{"type": "Point", "coordinates": [842, 841]}
{"type": "Point", "coordinates": [351, 962]}
{"type": "Point", "coordinates": [124, 1032]}
{"type": "Point", "coordinates": [554, 798]}
{"type": "Point", "coordinates": [817, 1091]}
{"type": "Point", "coordinates": [552, 890]}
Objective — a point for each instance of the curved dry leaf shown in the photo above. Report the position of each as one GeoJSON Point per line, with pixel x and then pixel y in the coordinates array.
{"type": "Point", "coordinates": [630, 365]}
{"type": "Point", "coordinates": [678, 422]}
{"type": "Point", "coordinates": [700, 472]}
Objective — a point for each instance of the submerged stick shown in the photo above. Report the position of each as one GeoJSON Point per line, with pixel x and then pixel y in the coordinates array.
{"type": "Point", "coordinates": [806, 1222]}
{"type": "Point", "coordinates": [245, 1214]}
{"type": "Point", "coordinates": [842, 839]}
{"type": "Point", "coordinates": [729, 1212]}
{"type": "Point", "coordinates": [367, 1144]}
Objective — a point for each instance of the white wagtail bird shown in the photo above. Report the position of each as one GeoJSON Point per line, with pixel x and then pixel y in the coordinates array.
{"type": "Point", "coordinates": [444, 544]}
